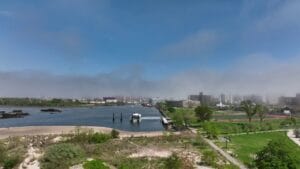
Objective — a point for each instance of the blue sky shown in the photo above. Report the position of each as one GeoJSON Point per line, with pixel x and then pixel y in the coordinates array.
{"type": "Point", "coordinates": [154, 40]}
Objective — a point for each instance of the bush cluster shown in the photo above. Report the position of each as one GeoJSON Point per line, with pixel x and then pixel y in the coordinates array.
{"type": "Point", "coordinates": [114, 133]}
{"type": "Point", "coordinates": [8, 161]}
{"type": "Point", "coordinates": [173, 162]}
{"type": "Point", "coordinates": [209, 158]}
{"type": "Point", "coordinates": [277, 154]}
{"type": "Point", "coordinates": [95, 164]}
{"type": "Point", "coordinates": [288, 122]}
{"type": "Point", "coordinates": [11, 162]}
{"type": "Point", "coordinates": [89, 137]}
{"type": "Point", "coordinates": [62, 156]}
{"type": "Point", "coordinates": [211, 129]}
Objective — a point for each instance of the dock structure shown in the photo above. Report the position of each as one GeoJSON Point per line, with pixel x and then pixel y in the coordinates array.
{"type": "Point", "coordinates": [166, 121]}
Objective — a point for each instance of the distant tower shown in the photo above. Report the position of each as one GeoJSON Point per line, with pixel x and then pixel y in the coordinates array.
{"type": "Point", "coordinates": [223, 98]}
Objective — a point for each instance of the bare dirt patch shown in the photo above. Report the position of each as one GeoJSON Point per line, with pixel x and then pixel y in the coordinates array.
{"type": "Point", "coordinates": [31, 161]}
{"type": "Point", "coordinates": [151, 152]}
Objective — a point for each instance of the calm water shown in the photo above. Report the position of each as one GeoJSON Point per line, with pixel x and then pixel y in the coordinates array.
{"type": "Point", "coordinates": [97, 116]}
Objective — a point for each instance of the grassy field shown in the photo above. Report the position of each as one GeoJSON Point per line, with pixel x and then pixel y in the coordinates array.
{"type": "Point", "coordinates": [220, 115]}
{"type": "Point", "coordinates": [246, 146]}
{"type": "Point", "coordinates": [229, 122]}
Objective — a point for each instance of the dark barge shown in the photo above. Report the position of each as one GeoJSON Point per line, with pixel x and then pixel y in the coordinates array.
{"type": "Point", "coordinates": [13, 114]}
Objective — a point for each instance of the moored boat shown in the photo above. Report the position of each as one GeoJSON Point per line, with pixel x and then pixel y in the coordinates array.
{"type": "Point", "coordinates": [14, 114]}
{"type": "Point", "coordinates": [136, 118]}
{"type": "Point", "coordinates": [51, 110]}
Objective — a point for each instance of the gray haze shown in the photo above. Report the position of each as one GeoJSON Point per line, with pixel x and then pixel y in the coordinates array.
{"type": "Point", "coordinates": [255, 74]}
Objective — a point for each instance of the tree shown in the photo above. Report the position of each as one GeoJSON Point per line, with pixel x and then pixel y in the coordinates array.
{"type": "Point", "coordinates": [261, 111]}
{"type": "Point", "coordinates": [249, 108]}
{"type": "Point", "coordinates": [275, 155]}
{"type": "Point", "coordinates": [203, 113]}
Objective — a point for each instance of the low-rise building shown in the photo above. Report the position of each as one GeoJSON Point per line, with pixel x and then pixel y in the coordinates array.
{"type": "Point", "coordinates": [183, 103]}
{"type": "Point", "coordinates": [191, 103]}
{"type": "Point", "coordinates": [110, 100]}
{"type": "Point", "coordinates": [174, 103]}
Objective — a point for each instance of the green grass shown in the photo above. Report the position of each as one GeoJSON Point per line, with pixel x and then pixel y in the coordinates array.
{"type": "Point", "coordinates": [187, 111]}
{"type": "Point", "coordinates": [246, 146]}
{"type": "Point", "coordinates": [95, 164]}
{"type": "Point", "coordinates": [245, 126]}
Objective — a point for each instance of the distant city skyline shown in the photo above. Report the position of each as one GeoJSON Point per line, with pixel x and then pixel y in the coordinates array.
{"type": "Point", "coordinates": [169, 49]}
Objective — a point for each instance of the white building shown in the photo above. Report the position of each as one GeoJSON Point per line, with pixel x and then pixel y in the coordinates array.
{"type": "Point", "coordinates": [110, 99]}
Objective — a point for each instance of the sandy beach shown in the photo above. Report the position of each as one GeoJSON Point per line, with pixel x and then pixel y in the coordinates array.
{"type": "Point", "coordinates": [54, 130]}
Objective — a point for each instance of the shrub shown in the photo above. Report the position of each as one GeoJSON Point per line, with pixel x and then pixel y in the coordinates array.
{"type": "Point", "coordinates": [251, 127]}
{"type": "Point", "coordinates": [114, 133]}
{"type": "Point", "coordinates": [199, 142]}
{"type": "Point", "coordinates": [130, 163]}
{"type": "Point", "coordinates": [11, 162]}
{"type": "Point", "coordinates": [287, 122]}
{"type": "Point", "coordinates": [269, 126]}
{"type": "Point", "coordinates": [179, 120]}
{"type": "Point", "coordinates": [95, 164]}
{"type": "Point", "coordinates": [276, 154]}
{"type": "Point", "coordinates": [173, 162]}
{"type": "Point", "coordinates": [99, 138]}
{"type": "Point", "coordinates": [171, 109]}
{"type": "Point", "coordinates": [209, 158]}
{"type": "Point", "coordinates": [62, 156]}
{"type": "Point", "coordinates": [294, 121]}
{"type": "Point", "coordinates": [2, 153]}
{"type": "Point", "coordinates": [89, 137]}
{"type": "Point", "coordinates": [297, 133]}
{"type": "Point", "coordinates": [80, 136]}
{"type": "Point", "coordinates": [211, 130]}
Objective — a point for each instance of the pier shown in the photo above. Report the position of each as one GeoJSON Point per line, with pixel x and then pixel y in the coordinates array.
{"type": "Point", "coordinates": [166, 121]}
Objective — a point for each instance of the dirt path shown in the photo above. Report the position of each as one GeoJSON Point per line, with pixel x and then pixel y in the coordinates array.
{"type": "Point", "coordinates": [222, 152]}
{"type": "Point", "coordinates": [31, 161]}
{"type": "Point", "coordinates": [292, 136]}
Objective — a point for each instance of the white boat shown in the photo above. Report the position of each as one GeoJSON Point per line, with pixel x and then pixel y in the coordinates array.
{"type": "Point", "coordinates": [164, 120]}
{"type": "Point", "coordinates": [136, 118]}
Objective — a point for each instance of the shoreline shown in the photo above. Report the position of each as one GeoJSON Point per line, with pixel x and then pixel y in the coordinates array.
{"type": "Point", "coordinates": [71, 105]}
{"type": "Point", "coordinates": [57, 130]}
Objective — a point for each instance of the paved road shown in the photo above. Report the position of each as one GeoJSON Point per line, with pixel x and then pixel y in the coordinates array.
{"type": "Point", "coordinates": [222, 152]}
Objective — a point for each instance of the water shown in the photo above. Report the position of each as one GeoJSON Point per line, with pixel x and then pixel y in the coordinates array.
{"type": "Point", "coordinates": [96, 116]}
